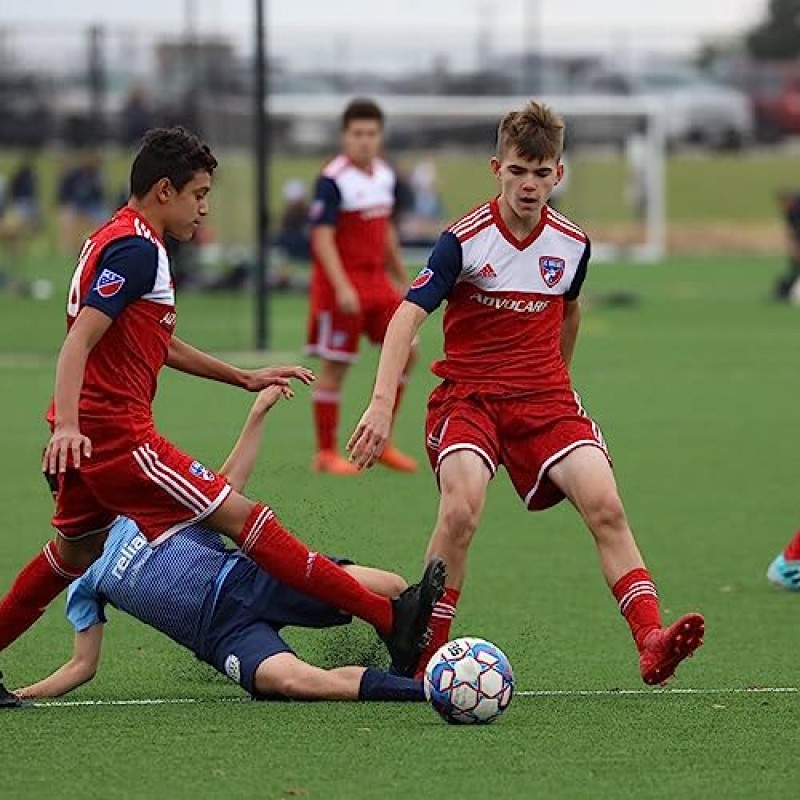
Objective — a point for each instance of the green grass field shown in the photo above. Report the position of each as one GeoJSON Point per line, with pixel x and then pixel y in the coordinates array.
{"type": "Point", "coordinates": [696, 389]}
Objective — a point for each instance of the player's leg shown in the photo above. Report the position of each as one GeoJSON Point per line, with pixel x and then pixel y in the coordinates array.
{"type": "Point", "coordinates": [285, 675]}
{"type": "Point", "coordinates": [401, 621]}
{"type": "Point", "coordinates": [585, 476]}
{"type": "Point", "coordinates": [381, 581]}
{"type": "Point", "coordinates": [376, 322]}
{"type": "Point", "coordinates": [81, 524]}
{"type": "Point", "coordinates": [784, 571]}
{"type": "Point", "coordinates": [463, 480]}
{"type": "Point", "coordinates": [333, 337]}
{"type": "Point", "coordinates": [251, 651]}
{"type": "Point", "coordinates": [326, 396]}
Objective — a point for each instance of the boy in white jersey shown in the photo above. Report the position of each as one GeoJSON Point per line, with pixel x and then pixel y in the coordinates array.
{"type": "Point", "coordinates": [511, 271]}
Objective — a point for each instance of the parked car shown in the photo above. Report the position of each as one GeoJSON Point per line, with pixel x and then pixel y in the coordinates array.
{"type": "Point", "coordinates": [774, 91]}
{"type": "Point", "coordinates": [698, 110]}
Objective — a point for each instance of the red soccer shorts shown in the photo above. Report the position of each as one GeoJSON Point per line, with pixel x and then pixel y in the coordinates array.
{"type": "Point", "coordinates": [526, 435]}
{"type": "Point", "coordinates": [335, 336]}
{"type": "Point", "coordinates": [154, 483]}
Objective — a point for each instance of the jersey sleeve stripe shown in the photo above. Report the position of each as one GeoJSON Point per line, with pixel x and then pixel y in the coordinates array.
{"type": "Point", "coordinates": [476, 212]}
{"type": "Point", "coordinates": [571, 232]}
{"type": "Point", "coordinates": [475, 229]}
{"type": "Point", "coordinates": [335, 166]}
{"type": "Point", "coordinates": [462, 227]}
{"type": "Point", "coordinates": [562, 220]}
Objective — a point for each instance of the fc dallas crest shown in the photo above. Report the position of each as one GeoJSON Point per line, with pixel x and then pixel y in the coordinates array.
{"type": "Point", "coordinates": [552, 269]}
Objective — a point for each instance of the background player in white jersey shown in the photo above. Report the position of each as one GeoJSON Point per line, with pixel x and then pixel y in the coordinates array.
{"type": "Point", "coordinates": [218, 604]}
{"type": "Point", "coordinates": [357, 276]}
{"type": "Point", "coordinates": [511, 271]}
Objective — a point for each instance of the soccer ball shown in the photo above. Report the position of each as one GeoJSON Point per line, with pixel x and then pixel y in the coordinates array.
{"type": "Point", "coordinates": [469, 681]}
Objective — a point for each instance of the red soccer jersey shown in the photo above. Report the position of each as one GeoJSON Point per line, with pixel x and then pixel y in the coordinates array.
{"type": "Point", "coordinates": [123, 271]}
{"type": "Point", "coordinates": [359, 204]}
{"type": "Point", "coordinates": [505, 309]}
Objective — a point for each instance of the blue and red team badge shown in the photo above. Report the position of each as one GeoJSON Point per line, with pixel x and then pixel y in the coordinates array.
{"type": "Point", "coordinates": [552, 269]}
{"type": "Point", "coordinates": [200, 471]}
{"type": "Point", "coordinates": [423, 277]}
{"type": "Point", "coordinates": [109, 283]}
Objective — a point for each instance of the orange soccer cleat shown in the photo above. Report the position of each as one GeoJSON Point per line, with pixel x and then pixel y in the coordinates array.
{"type": "Point", "coordinates": [393, 458]}
{"type": "Point", "coordinates": [330, 461]}
{"type": "Point", "coordinates": [665, 648]}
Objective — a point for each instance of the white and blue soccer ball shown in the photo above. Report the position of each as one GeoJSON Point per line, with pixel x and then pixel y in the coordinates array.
{"type": "Point", "coordinates": [469, 681]}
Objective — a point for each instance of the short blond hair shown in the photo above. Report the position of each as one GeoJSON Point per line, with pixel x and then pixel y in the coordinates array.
{"type": "Point", "coordinates": [536, 133]}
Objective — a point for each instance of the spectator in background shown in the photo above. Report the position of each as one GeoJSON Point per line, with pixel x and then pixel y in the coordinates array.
{"type": "Point", "coordinates": [787, 289]}
{"type": "Point", "coordinates": [20, 217]}
{"type": "Point", "coordinates": [294, 234]}
{"type": "Point", "coordinates": [136, 117]}
{"type": "Point", "coordinates": [420, 223]}
{"type": "Point", "coordinates": [81, 200]}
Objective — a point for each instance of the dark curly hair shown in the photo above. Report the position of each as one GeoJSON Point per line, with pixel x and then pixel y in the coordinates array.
{"type": "Point", "coordinates": [173, 153]}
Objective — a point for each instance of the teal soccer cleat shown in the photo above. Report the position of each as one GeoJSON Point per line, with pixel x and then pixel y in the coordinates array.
{"type": "Point", "coordinates": [785, 574]}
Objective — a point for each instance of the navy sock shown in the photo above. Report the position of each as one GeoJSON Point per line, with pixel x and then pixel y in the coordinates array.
{"type": "Point", "coordinates": [379, 685]}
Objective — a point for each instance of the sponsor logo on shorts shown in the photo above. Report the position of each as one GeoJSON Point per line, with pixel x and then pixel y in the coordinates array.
{"type": "Point", "coordinates": [109, 283]}
{"type": "Point", "coordinates": [422, 279]}
{"type": "Point", "coordinates": [127, 554]}
{"type": "Point", "coordinates": [199, 471]}
{"type": "Point", "coordinates": [552, 269]}
{"type": "Point", "coordinates": [233, 668]}
{"type": "Point", "coordinates": [338, 339]}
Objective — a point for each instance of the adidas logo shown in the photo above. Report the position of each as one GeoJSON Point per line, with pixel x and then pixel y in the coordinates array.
{"type": "Point", "coordinates": [486, 271]}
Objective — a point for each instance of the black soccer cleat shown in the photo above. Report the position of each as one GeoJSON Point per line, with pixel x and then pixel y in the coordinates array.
{"type": "Point", "coordinates": [7, 699]}
{"type": "Point", "coordinates": [411, 614]}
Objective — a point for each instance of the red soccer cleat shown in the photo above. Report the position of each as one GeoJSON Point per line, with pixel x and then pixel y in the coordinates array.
{"type": "Point", "coordinates": [330, 461]}
{"type": "Point", "coordinates": [392, 458]}
{"type": "Point", "coordinates": [665, 648]}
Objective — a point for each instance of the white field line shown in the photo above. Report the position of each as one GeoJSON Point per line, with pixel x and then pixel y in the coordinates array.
{"type": "Point", "coordinates": [177, 701]}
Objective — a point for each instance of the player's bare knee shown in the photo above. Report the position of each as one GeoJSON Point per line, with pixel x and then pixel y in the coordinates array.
{"type": "Point", "coordinates": [460, 521]}
{"type": "Point", "coordinates": [605, 515]}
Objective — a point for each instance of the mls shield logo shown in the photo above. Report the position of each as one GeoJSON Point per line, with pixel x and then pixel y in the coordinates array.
{"type": "Point", "coordinates": [199, 471]}
{"type": "Point", "coordinates": [552, 269]}
{"type": "Point", "coordinates": [423, 277]}
{"type": "Point", "coordinates": [109, 283]}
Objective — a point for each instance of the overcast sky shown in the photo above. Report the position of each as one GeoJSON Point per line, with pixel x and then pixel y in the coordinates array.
{"type": "Point", "coordinates": [356, 33]}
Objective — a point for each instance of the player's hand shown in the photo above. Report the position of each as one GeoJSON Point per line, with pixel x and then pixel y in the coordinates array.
{"type": "Point", "coordinates": [267, 398]}
{"type": "Point", "coordinates": [65, 443]}
{"type": "Point", "coordinates": [347, 300]}
{"type": "Point", "coordinates": [371, 434]}
{"type": "Point", "coordinates": [254, 380]}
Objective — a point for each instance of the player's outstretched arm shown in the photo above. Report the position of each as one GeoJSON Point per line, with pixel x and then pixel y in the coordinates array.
{"type": "Point", "coordinates": [80, 669]}
{"type": "Point", "coordinates": [372, 431]}
{"type": "Point", "coordinates": [569, 329]}
{"type": "Point", "coordinates": [67, 440]}
{"type": "Point", "coordinates": [185, 358]}
{"type": "Point", "coordinates": [239, 464]}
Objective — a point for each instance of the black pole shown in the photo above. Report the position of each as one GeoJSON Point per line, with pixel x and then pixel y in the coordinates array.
{"type": "Point", "coordinates": [261, 144]}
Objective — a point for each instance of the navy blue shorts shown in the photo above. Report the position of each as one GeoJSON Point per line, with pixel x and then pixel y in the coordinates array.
{"type": "Point", "coordinates": [251, 609]}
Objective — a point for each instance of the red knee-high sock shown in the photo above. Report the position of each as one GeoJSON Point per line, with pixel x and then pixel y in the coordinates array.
{"type": "Point", "coordinates": [286, 558]}
{"type": "Point", "coordinates": [792, 551]}
{"type": "Point", "coordinates": [35, 587]}
{"type": "Point", "coordinates": [636, 595]}
{"type": "Point", "coordinates": [326, 417]}
{"type": "Point", "coordinates": [439, 627]}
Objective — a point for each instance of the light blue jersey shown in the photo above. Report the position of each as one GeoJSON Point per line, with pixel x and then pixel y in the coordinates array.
{"type": "Point", "coordinates": [172, 587]}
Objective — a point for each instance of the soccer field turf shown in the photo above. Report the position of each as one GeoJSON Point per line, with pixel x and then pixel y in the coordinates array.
{"type": "Point", "coordinates": [696, 389]}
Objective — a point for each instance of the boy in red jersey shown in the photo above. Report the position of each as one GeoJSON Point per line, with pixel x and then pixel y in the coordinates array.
{"type": "Point", "coordinates": [105, 450]}
{"type": "Point", "coordinates": [511, 271]}
{"type": "Point", "coordinates": [353, 241]}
